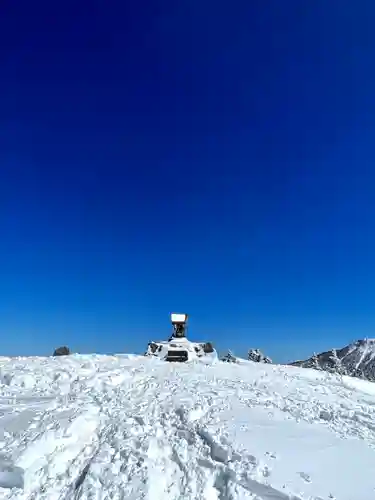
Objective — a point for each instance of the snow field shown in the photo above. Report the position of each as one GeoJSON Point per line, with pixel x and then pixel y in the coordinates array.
{"type": "Point", "coordinates": [128, 427]}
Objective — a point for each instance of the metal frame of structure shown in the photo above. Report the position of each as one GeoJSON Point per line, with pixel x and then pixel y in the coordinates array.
{"type": "Point", "coordinates": [179, 325]}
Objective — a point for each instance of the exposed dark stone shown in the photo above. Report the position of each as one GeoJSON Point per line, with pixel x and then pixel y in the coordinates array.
{"type": "Point", "coordinates": [62, 351]}
{"type": "Point", "coordinates": [258, 357]}
{"type": "Point", "coordinates": [208, 347]}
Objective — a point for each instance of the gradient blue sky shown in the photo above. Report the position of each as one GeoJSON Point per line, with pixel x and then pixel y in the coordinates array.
{"type": "Point", "coordinates": [209, 157]}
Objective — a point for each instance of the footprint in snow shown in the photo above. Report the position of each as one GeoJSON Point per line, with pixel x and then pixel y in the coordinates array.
{"type": "Point", "coordinates": [11, 476]}
{"type": "Point", "coordinates": [305, 477]}
{"type": "Point", "coordinates": [266, 471]}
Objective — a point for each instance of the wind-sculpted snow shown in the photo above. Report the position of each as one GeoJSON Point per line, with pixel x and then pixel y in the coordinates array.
{"type": "Point", "coordinates": [127, 427]}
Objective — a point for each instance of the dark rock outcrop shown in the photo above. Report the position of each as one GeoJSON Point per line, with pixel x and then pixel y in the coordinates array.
{"type": "Point", "coordinates": [229, 357]}
{"type": "Point", "coordinates": [61, 351]}
{"type": "Point", "coordinates": [258, 357]}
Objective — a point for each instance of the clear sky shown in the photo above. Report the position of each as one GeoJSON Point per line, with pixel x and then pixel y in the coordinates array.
{"type": "Point", "coordinates": [209, 157]}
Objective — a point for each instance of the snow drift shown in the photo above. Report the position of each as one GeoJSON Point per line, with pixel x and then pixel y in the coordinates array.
{"type": "Point", "coordinates": [127, 427]}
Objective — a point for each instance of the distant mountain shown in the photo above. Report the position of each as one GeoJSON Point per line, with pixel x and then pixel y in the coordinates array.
{"type": "Point", "coordinates": [356, 360]}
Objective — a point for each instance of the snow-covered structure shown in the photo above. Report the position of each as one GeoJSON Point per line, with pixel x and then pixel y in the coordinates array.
{"type": "Point", "coordinates": [178, 347]}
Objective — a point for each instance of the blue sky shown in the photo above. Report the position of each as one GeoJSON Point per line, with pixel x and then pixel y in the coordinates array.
{"type": "Point", "coordinates": [205, 157]}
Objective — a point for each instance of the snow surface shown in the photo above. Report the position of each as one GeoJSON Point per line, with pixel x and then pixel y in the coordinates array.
{"type": "Point", "coordinates": [130, 427]}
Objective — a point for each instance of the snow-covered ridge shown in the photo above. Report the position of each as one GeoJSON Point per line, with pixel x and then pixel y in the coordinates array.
{"type": "Point", "coordinates": [111, 427]}
{"type": "Point", "coordinates": [356, 359]}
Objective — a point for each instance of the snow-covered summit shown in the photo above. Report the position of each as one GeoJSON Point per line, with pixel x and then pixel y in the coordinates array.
{"type": "Point", "coordinates": [356, 359]}
{"type": "Point", "coordinates": [112, 427]}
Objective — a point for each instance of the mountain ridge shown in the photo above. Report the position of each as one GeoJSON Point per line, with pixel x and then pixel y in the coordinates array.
{"type": "Point", "coordinates": [355, 359]}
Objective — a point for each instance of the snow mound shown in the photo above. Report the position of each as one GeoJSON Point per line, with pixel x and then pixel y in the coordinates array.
{"type": "Point", "coordinates": [111, 427]}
